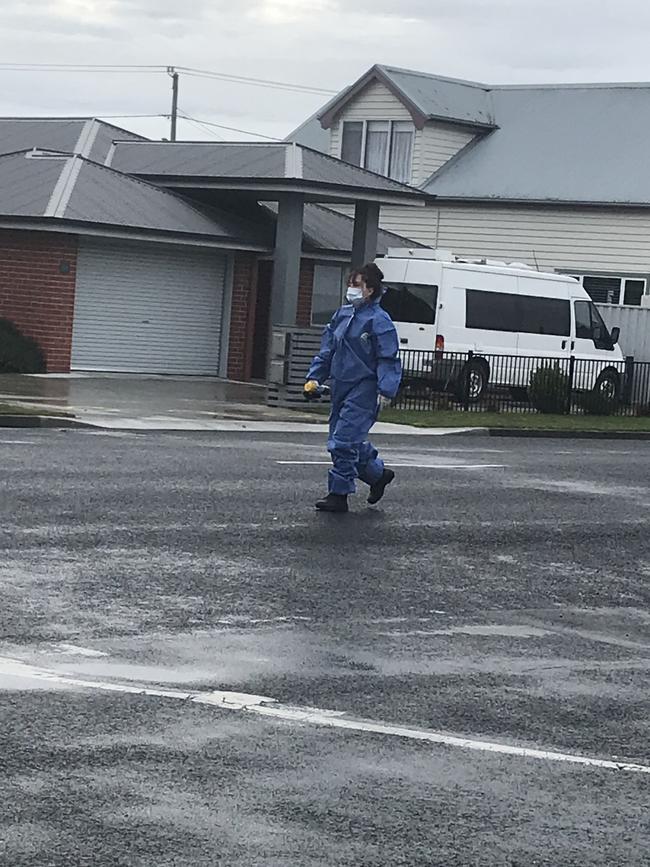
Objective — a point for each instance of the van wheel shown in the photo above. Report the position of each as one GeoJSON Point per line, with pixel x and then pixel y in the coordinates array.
{"type": "Point", "coordinates": [608, 385]}
{"type": "Point", "coordinates": [474, 377]}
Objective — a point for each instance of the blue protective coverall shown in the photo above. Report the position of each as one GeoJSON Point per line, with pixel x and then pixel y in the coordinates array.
{"type": "Point", "coordinates": [359, 354]}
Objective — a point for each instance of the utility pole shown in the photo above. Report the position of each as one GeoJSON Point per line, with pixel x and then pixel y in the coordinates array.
{"type": "Point", "coordinates": [174, 115]}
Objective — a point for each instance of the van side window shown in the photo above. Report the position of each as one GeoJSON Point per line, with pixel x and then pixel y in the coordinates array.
{"type": "Point", "coordinates": [529, 314]}
{"type": "Point", "coordinates": [545, 315]}
{"type": "Point", "coordinates": [492, 311]}
{"type": "Point", "coordinates": [408, 302]}
{"type": "Point", "coordinates": [583, 320]}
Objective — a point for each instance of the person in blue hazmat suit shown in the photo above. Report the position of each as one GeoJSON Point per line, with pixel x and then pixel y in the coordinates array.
{"type": "Point", "coordinates": [359, 355]}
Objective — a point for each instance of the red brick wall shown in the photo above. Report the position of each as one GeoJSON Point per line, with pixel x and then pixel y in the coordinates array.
{"type": "Point", "coordinates": [35, 295]}
{"type": "Point", "coordinates": [249, 319]}
{"type": "Point", "coordinates": [305, 291]}
{"type": "Point", "coordinates": [242, 317]}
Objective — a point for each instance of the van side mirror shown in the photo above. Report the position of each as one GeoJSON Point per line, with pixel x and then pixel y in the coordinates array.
{"type": "Point", "coordinates": [615, 333]}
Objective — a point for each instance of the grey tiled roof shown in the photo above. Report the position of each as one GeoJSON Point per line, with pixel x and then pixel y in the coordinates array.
{"type": "Point", "coordinates": [188, 159]}
{"type": "Point", "coordinates": [99, 195]}
{"type": "Point", "coordinates": [26, 185]}
{"type": "Point", "coordinates": [557, 144]}
{"type": "Point", "coordinates": [428, 97]}
{"type": "Point", "coordinates": [60, 134]}
{"type": "Point", "coordinates": [438, 98]}
{"type": "Point", "coordinates": [283, 162]}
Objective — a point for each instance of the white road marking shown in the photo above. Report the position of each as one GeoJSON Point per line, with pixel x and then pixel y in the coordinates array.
{"type": "Point", "coordinates": [75, 650]}
{"type": "Point", "coordinates": [17, 442]}
{"type": "Point", "coordinates": [412, 466]}
{"type": "Point", "coordinates": [270, 708]}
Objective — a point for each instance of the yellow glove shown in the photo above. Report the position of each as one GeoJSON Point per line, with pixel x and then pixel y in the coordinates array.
{"type": "Point", "coordinates": [311, 390]}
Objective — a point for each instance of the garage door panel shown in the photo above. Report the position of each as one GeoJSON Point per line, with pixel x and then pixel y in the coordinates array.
{"type": "Point", "coordinates": [148, 308]}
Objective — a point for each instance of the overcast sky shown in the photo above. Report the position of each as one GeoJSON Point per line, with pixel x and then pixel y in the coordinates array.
{"type": "Point", "coordinates": [321, 43]}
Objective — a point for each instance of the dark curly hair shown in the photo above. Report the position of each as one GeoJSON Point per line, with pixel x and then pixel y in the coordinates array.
{"type": "Point", "coordinates": [373, 277]}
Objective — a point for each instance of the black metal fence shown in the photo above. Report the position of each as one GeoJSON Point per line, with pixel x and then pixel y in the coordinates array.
{"type": "Point", "coordinates": [507, 383]}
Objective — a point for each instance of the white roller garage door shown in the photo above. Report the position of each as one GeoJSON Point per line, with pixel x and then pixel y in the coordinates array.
{"type": "Point", "coordinates": [147, 308]}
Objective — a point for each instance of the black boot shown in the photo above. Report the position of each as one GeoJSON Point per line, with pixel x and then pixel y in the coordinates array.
{"type": "Point", "coordinates": [377, 490]}
{"type": "Point", "coordinates": [333, 503]}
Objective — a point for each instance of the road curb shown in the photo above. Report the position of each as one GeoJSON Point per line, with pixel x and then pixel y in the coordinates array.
{"type": "Point", "coordinates": [567, 434]}
{"type": "Point", "coordinates": [41, 421]}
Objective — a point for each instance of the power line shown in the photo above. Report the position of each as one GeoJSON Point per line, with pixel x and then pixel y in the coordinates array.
{"type": "Point", "coordinates": [118, 70]}
{"type": "Point", "coordinates": [118, 116]}
{"type": "Point", "coordinates": [261, 82]}
{"type": "Point", "coordinates": [199, 124]}
{"type": "Point", "coordinates": [155, 69]}
{"type": "Point", "coordinates": [207, 123]}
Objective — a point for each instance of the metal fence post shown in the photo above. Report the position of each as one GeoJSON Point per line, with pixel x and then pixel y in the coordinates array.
{"type": "Point", "coordinates": [572, 364]}
{"type": "Point", "coordinates": [628, 380]}
{"type": "Point", "coordinates": [470, 355]}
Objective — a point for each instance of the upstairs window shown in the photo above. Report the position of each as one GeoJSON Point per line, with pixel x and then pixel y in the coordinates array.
{"type": "Point", "coordinates": [381, 146]}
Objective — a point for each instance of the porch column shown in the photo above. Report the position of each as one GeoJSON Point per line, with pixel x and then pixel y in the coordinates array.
{"type": "Point", "coordinates": [366, 228]}
{"type": "Point", "coordinates": [286, 261]}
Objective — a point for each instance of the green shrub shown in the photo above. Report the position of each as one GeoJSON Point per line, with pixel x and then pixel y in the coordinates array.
{"type": "Point", "coordinates": [596, 403]}
{"type": "Point", "coordinates": [548, 390]}
{"type": "Point", "coordinates": [18, 353]}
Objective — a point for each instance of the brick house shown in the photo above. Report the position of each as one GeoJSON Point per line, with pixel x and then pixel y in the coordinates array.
{"type": "Point", "coordinates": [124, 255]}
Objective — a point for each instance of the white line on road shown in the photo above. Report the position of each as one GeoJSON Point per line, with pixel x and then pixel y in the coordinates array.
{"type": "Point", "coordinates": [75, 650]}
{"type": "Point", "coordinates": [412, 466]}
{"type": "Point", "coordinates": [270, 708]}
{"type": "Point", "coordinates": [17, 442]}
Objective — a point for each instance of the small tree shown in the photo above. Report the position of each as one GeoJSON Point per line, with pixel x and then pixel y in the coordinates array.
{"type": "Point", "coordinates": [18, 353]}
{"type": "Point", "coordinates": [548, 390]}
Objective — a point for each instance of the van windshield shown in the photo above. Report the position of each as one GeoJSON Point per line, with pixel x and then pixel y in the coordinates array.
{"type": "Point", "coordinates": [410, 302]}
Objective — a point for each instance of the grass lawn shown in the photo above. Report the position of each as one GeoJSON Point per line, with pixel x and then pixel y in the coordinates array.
{"type": "Point", "coordinates": [13, 409]}
{"type": "Point", "coordinates": [521, 420]}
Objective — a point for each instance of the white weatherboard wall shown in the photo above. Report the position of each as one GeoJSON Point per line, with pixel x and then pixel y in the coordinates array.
{"type": "Point", "coordinates": [432, 146]}
{"type": "Point", "coordinates": [585, 240]}
{"type": "Point", "coordinates": [147, 308]}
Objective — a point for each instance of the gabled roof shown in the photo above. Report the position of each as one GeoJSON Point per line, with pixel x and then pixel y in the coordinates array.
{"type": "Point", "coordinates": [427, 97]}
{"type": "Point", "coordinates": [579, 144]}
{"type": "Point", "coordinates": [89, 137]}
{"type": "Point", "coordinates": [265, 169]}
{"type": "Point", "coordinates": [70, 188]}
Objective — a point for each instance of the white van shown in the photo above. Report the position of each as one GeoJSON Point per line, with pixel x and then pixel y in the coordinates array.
{"type": "Point", "coordinates": [443, 305]}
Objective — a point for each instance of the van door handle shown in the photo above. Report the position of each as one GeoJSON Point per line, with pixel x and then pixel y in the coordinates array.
{"type": "Point", "coordinates": [404, 340]}
{"type": "Point", "coordinates": [564, 344]}
{"type": "Point", "coordinates": [573, 344]}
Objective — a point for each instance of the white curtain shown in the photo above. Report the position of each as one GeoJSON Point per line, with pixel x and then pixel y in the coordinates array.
{"type": "Point", "coordinates": [401, 152]}
{"type": "Point", "coordinates": [377, 147]}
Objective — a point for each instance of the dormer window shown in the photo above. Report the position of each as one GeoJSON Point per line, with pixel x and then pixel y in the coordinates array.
{"type": "Point", "coordinates": [381, 146]}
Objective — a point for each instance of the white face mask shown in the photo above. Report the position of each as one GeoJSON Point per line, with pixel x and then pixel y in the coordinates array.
{"type": "Point", "coordinates": [354, 294]}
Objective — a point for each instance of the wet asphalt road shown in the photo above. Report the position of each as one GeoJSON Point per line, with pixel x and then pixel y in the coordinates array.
{"type": "Point", "coordinates": [507, 604]}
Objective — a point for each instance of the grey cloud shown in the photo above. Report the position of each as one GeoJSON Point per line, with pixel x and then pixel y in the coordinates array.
{"type": "Point", "coordinates": [495, 41]}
